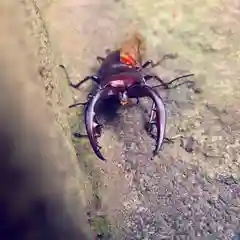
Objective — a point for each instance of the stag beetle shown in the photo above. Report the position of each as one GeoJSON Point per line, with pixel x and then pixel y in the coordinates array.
{"type": "Point", "coordinates": [123, 77]}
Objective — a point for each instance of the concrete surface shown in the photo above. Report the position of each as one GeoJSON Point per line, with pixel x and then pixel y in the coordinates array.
{"type": "Point", "coordinates": [178, 195]}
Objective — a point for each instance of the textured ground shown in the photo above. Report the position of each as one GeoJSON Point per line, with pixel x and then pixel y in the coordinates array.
{"type": "Point", "coordinates": [179, 194]}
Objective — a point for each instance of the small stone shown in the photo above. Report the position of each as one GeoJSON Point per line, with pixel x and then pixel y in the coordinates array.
{"type": "Point", "coordinates": [197, 90]}
{"type": "Point", "coordinates": [187, 144]}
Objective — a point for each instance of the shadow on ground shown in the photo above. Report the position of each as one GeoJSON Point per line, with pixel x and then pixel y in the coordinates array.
{"type": "Point", "coordinates": [31, 203]}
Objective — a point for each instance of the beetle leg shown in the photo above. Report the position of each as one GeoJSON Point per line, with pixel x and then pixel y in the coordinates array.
{"type": "Point", "coordinates": [147, 63]}
{"type": "Point", "coordinates": [153, 65]}
{"type": "Point", "coordinates": [100, 59]}
{"type": "Point", "coordinates": [107, 51]}
{"type": "Point", "coordinates": [149, 128]}
{"type": "Point", "coordinates": [77, 104]}
{"type": "Point", "coordinates": [76, 86]}
{"type": "Point", "coordinates": [89, 97]}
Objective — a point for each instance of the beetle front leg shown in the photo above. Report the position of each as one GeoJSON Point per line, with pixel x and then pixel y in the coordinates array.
{"type": "Point", "coordinates": [100, 59]}
{"type": "Point", "coordinates": [150, 63]}
{"type": "Point", "coordinates": [77, 104]}
{"type": "Point", "coordinates": [77, 85]}
{"type": "Point", "coordinates": [147, 63]}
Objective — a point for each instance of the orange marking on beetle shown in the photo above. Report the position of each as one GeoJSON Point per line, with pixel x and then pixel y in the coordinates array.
{"type": "Point", "coordinates": [127, 59]}
{"type": "Point", "coordinates": [132, 49]}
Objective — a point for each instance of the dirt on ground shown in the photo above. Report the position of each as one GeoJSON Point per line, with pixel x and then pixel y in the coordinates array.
{"type": "Point", "coordinates": [191, 190]}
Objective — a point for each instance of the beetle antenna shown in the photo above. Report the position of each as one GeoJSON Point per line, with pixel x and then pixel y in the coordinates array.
{"type": "Point", "coordinates": [183, 76]}
{"type": "Point", "coordinates": [174, 80]}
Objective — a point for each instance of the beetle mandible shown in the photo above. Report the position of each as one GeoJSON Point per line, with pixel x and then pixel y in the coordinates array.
{"type": "Point", "coordinates": [121, 74]}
